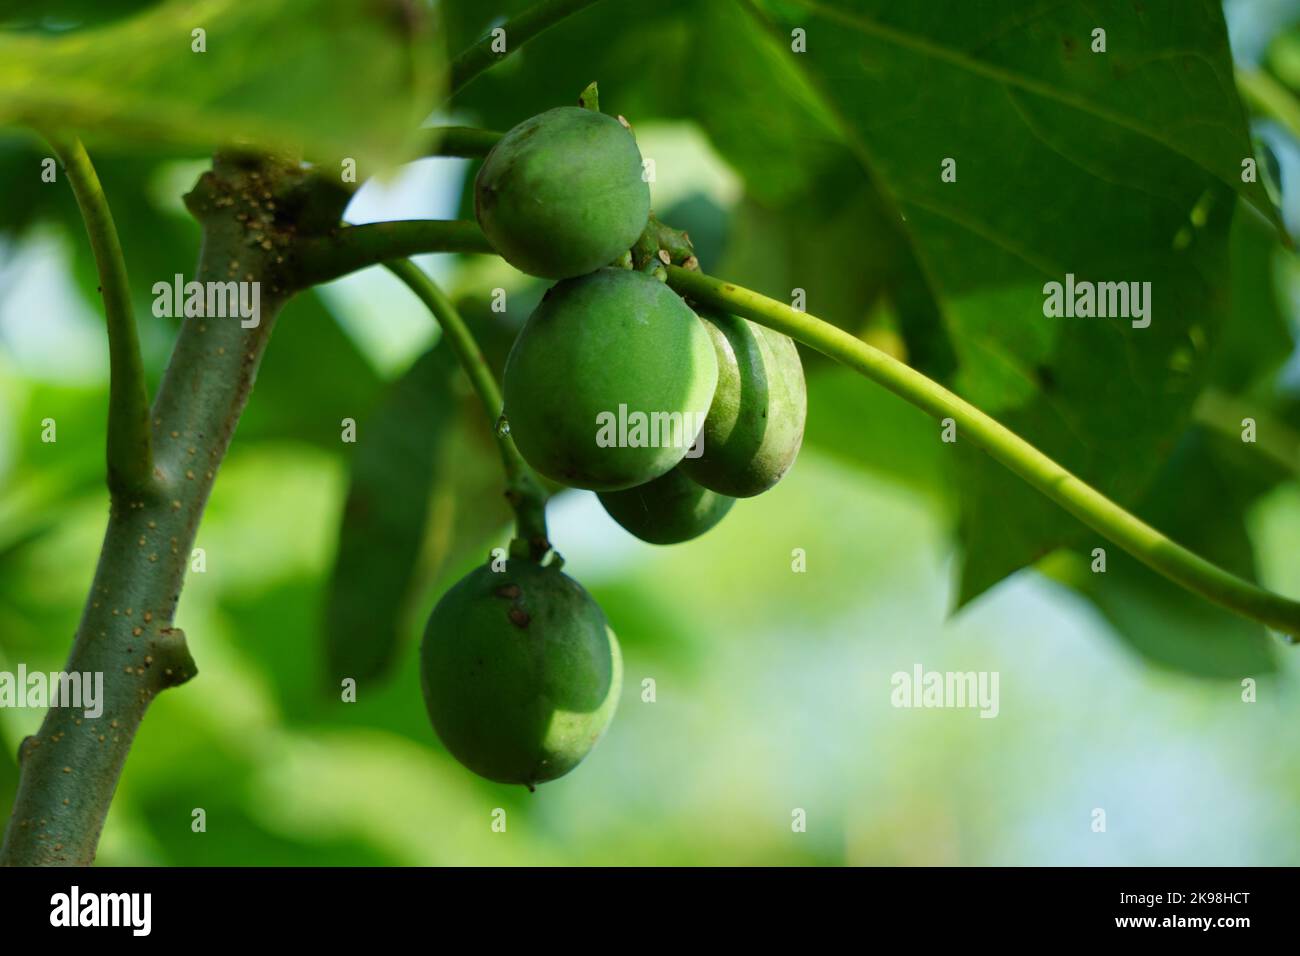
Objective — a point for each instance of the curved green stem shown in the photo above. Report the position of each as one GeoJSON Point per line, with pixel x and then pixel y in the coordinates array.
{"type": "Point", "coordinates": [1083, 501]}
{"type": "Point", "coordinates": [518, 31]}
{"type": "Point", "coordinates": [130, 450]}
{"type": "Point", "coordinates": [350, 248]}
{"type": "Point", "coordinates": [524, 490]}
{"type": "Point", "coordinates": [466, 142]}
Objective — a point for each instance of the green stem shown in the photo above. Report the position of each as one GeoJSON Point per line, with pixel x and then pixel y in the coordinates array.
{"type": "Point", "coordinates": [524, 490]}
{"type": "Point", "coordinates": [130, 451]}
{"type": "Point", "coordinates": [518, 31]}
{"type": "Point", "coordinates": [349, 248]}
{"type": "Point", "coordinates": [1070, 492]}
{"type": "Point", "coordinates": [463, 141]}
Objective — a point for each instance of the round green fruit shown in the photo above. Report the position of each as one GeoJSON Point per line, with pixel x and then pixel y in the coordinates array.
{"type": "Point", "coordinates": [562, 193]}
{"type": "Point", "coordinates": [609, 381]}
{"type": "Point", "coordinates": [669, 510]}
{"type": "Point", "coordinates": [755, 425]}
{"type": "Point", "coordinates": [520, 671]}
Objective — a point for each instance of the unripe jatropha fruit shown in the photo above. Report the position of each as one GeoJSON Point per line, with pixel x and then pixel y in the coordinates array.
{"type": "Point", "coordinates": [562, 193]}
{"type": "Point", "coordinates": [755, 426]}
{"type": "Point", "coordinates": [608, 383]}
{"type": "Point", "coordinates": [520, 671]}
{"type": "Point", "coordinates": [669, 510]}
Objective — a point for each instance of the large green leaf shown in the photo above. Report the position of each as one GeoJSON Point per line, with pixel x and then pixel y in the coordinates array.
{"type": "Point", "coordinates": [337, 79]}
{"type": "Point", "coordinates": [1115, 166]}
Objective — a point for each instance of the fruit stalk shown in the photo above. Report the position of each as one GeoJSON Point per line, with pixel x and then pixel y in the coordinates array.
{"type": "Point", "coordinates": [349, 248]}
{"type": "Point", "coordinates": [524, 490]}
{"type": "Point", "coordinates": [1090, 506]}
{"type": "Point", "coordinates": [130, 451]}
{"type": "Point", "coordinates": [465, 142]}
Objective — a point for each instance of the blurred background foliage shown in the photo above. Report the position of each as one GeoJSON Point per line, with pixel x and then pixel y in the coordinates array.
{"type": "Point", "coordinates": [772, 689]}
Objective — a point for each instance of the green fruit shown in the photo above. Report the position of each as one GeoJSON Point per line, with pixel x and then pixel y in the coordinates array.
{"type": "Point", "coordinates": [520, 672]}
{"type": "Point", "coordinates": [609, 381]}
{"type": "Point", "coordinates": [755, 425]}
{"type": "Point", "coordinates": [668, 510]}
{"type": "Point", "coordinates": [562, 193]}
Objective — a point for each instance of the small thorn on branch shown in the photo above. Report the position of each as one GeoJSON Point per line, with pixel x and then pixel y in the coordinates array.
{"type": "Point", "coordinates": [173, 655]}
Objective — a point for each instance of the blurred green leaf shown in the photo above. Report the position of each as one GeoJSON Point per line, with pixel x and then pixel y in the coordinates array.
{"type": "Point", "coordinates": [861, 424]}
{"type": "Point", "coordinates": [1258, 340]}
{"type": "Point", "coordinates": [1284, 56]}
{"type": "Point", "coordinates": [335, 79]}
{"type": "Point", "coordinates": [156, 242]}
{"type": "Point", "coordinates": [384, 518]}
{"type": "Point", "coordinates": [313, 377]}
{"type": "Point", "coordinates": [426, 489]}
{"type": "Point", "coordinates": [20, 162]}
{"type": "Point", "coordinates": [56, 16]}
{"type": "Point", "coordinates": [244, 837]}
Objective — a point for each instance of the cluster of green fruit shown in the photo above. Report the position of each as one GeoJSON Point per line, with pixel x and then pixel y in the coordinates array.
{"type": "Point", "coordinates": [521, 671]}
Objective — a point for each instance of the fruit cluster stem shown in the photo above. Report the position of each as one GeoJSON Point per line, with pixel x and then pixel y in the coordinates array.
{"type": "Point", "coordinates": [524, 490]}
{"type": "Point", "coordinates": [465, 142]}
{"type": "Point", "coordinates": [346, 249]}
{"type": "Point", "coordinates": [1090, 506]}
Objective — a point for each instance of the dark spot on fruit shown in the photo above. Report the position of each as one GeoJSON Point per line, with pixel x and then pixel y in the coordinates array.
{"type": "Point", "coordinates": [509, 591]}
{"type": "Point", "coordinates": [519, 617]}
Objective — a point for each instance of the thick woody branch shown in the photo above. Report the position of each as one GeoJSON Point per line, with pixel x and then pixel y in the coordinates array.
{"type": "Point", "coordinates": [70, 767]}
